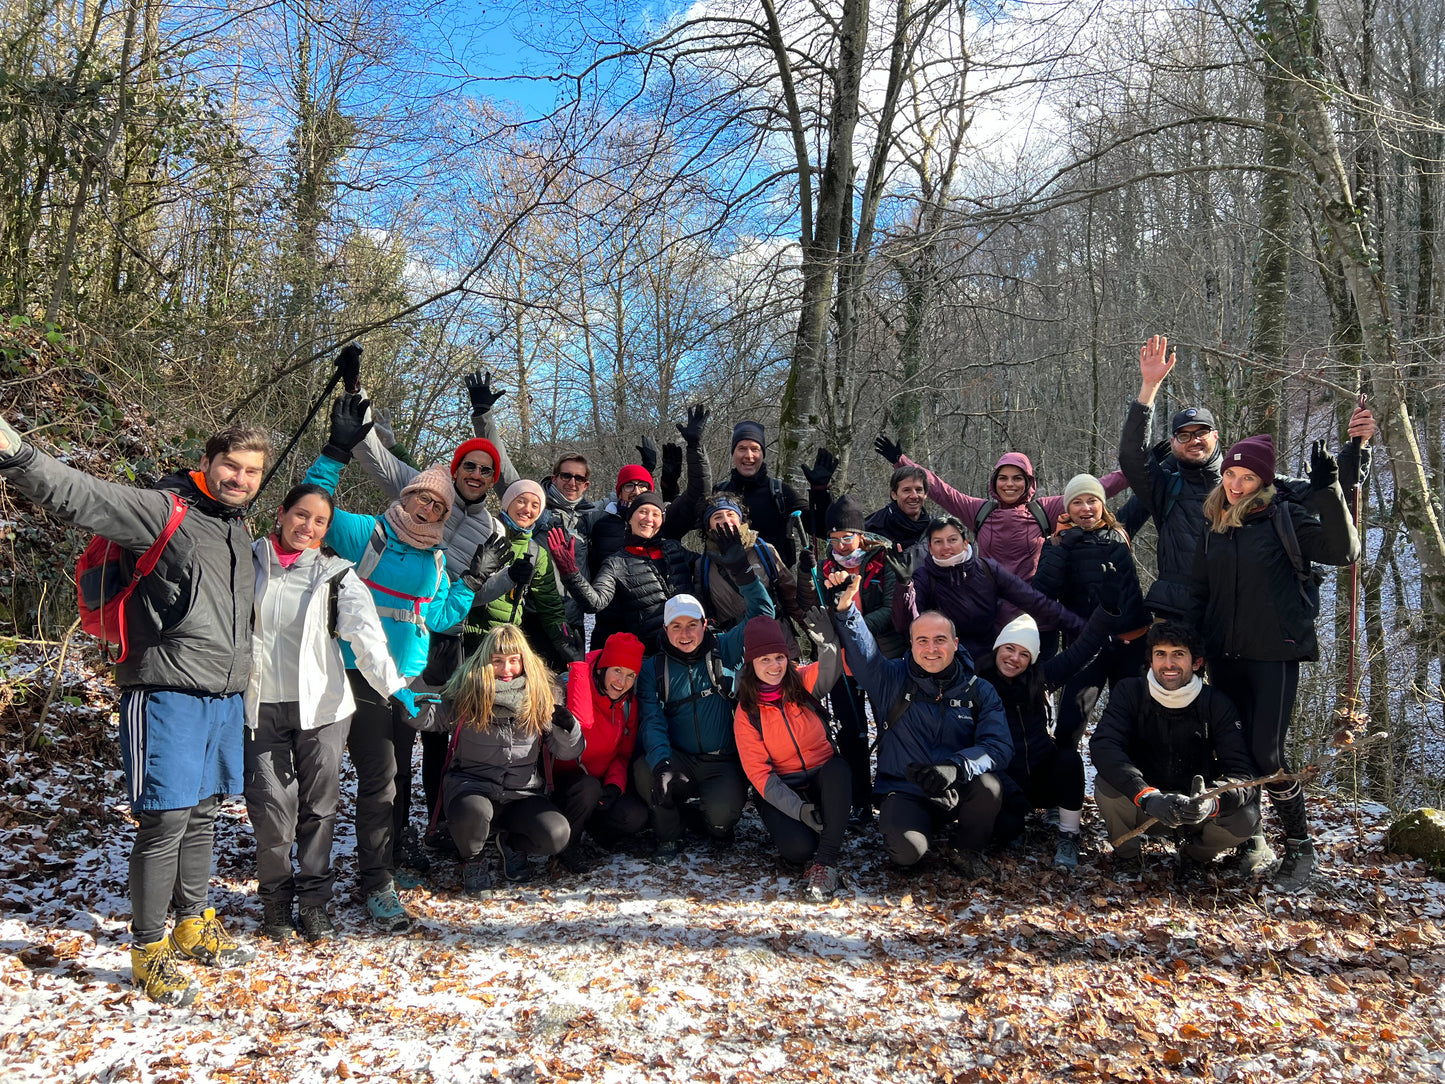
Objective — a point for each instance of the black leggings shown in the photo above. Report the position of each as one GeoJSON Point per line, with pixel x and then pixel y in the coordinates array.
{"type": "Point", "coordinates": [830, 790]}
{"type": "Point", "coordinates": [1264, 693]}
{"type": "Point", "coordinates": [532, 825]}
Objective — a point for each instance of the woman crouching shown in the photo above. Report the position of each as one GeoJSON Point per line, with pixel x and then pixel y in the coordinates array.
{"type": "Point", "coordinates": [502, 707]}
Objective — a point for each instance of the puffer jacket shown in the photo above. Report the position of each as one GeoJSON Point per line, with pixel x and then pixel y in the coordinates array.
{"type": "Point", "coordinates": [970, 594]}
{"type": "Point", "coordinates": [1244, 595]}
{"type": "Point", "coordinates": [606, 525]}
{"type": "Point", "coordinates": [402, 571]}
{"type": "Point", "coordinates": [697, 717]}
{"type": "Point", "coordinates": [726, 605]}
{"type": "Point", "coordinates": [609, 727]}
{"type": "Point", "coordinates": [468, 526]}
{"type": "Point", "coordinates": [1076, 562]}
{"type": "Point", "coordinates": [1139, 744]}
{"type": "Point", "coordinates": [636, 583]}
{"type": "Point", "coordinates": [784, 744]}
{"type": "Point", "coordinates": [963, 724]}
{"type": "Point", "coordinates": [325, 694]}
{"type": "Point", "coordinates": [189, 621]}
{"type": "Point", "coordinates": [876, 590]}
{"type": "Point", "coordinates": [1010, 536]}
{"type": "Point", "coordinates": [771, 521]}
{"type": "Point", "coordinates": [1024, 697]}
{"type": "Point", "coordinates": [498, 762]}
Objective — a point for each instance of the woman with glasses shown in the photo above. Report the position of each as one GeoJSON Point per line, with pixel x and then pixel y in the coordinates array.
{"type": "Point", "coordinates": [399, 555]}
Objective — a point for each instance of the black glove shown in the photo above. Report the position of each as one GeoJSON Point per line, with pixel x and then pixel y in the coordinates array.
{"type": "Point", "coordinates": [1324, 471]}
{"type": "Point", "coordinates": [697, 416]}
{"type": "Point", "coordinates": [647, 450]}
{"type": "Point", "coordinates": [348, 364]}
{"type": "Point", "coordinates": [522, 569]}
{"type": "Point", "coordinates": [731, 554]}
{"type": "Point", "coordinates": [610, 793]}
{"type": "Point", "coordinates": [1199, 809]}
{"type": "Point", "coordinates": [1167, 807]}
{"type": "Point", "coordinates": [486, 560]}
{"type": "Point", "coordinates": [1110, 591]}
{"type": "Point", "coordinates": [933, 779]}
{"type": "Point", "coordinates": [901, 562]}
{"type": "Point", "coordinates": [563, 720]}
{"type": "Point", "coordinates": [886, 448]}
{"type": "Point", "coordinates": [480, 392]}
{"type": "Point", "coordinates": [811, 817]}
{"type": "Point", "coordinates": [666, 781]}
{"type": "Point", "coordinates": [820, 474]}
{"type": "Point", "coordinates": [348, 426]}
{"type": "Point", "coordinates": [671, 471]}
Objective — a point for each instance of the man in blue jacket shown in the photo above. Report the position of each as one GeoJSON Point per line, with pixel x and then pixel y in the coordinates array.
{"type": "Point", "coordinates": [941, 743]}
{"type": "Point", "coordinates": [182, 723]}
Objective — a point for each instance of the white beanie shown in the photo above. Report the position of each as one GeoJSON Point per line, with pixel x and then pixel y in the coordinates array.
{"type": "Point", "coordinates": [1023, 631]}
{"type": "Point", "coordinates": [682, 606]}
{"type": "Point", "coordinates": [1080, 484]}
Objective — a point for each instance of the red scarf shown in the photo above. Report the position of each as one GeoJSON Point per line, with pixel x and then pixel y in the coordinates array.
{"type": "Point", "coordinates": [654, 552]}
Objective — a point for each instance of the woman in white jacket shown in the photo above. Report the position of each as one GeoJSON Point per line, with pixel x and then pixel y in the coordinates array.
{"type": "Point", "coordinates": [299, 706]}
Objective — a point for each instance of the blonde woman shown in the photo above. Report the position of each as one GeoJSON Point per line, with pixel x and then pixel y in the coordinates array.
{"type": "Point", "coordinates": [1252, 602]}
{"type": "Point", "coordinates": [501, 708]}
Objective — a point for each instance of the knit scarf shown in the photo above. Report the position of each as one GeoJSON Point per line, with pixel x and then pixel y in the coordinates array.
{"type": "Point", "coordinates": [418, 535]}
{"type": "Point", "coordinates": [1177, 698]}
{"type": "Point", "coordinates": [525, 532]}
{"type": "Point", "coordinates": [556, 501]}
{"type": "Point", "coordinates": [850, 562]}
{"type": "Point", "coordinates": [509, 697]}
{"type": "Point", "coordinates": [643, 547]}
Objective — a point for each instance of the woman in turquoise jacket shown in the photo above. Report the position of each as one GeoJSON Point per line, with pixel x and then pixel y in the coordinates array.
{"type": "Point", "coordinates": [399, 556]}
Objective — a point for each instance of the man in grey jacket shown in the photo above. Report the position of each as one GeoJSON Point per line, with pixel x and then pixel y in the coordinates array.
{"type": "Point", "coordinates": [182, 678]}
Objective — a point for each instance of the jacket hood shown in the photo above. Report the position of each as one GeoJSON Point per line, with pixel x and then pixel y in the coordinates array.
{"type": "Point", "coordinates": [1021, 461]}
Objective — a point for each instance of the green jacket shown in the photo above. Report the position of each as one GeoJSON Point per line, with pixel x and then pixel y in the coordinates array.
{"type": "Point", "coordinates": [541, 592]}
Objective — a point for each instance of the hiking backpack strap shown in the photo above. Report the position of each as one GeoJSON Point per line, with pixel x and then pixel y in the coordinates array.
{"type": "Point", "coordinates": [1306, 577]}
{"type": "Point", "coordinates": [984, 511]}
{"type": "Point", "coordinates": [1171, 494]}
{"type": "Point", "coordinates": [907, 699]}
{"type": "Point", "coordinates": [371, 557]}
{"type": "Point", "coordinates": [1040, 517]}
{"type": "Point", "coordinates": [333, 602]}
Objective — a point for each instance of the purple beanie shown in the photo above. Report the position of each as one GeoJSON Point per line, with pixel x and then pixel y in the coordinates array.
{"type": "Point", "coordinates": [1255, 454]}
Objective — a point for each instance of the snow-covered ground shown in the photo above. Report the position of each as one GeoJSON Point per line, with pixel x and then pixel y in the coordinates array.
{"type": "Point", "coordinates": [713, 970]}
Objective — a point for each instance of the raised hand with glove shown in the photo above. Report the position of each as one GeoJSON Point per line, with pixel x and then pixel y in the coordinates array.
{"type": "Point", "coordinates": [481, 393]}
{"type": "Point", "coordinates": [819, 627]}
{"type": "Point", "coordinates": [692, 429]}
{"type": "Point", "coordinates": [888, 449]}
{"type": "Point", "coordinates": [348, 367]}
{"type": "Point", "coordinates": [522, 569]}
{"type": "Point", "coordinates": [563, 548]}
{"type": "Point", "coordinates": [727, 539]}
{"type": "Point", "coordinates": [486, 562]}
{"type": "Point", "coordinates": [841, 588]}
{"type": "Point", "coordinates": [668, 483]}
{"type": "Point", "coordinates": [647, 452]}
{"type": "Point", "coordinates": [349, 426]}
{"type": "Point", "coordinates": [1324, 471]}
{"type": "Point", "coordinates": [934, 779]}
{"type": "Point", "coordinates": [820, 474]}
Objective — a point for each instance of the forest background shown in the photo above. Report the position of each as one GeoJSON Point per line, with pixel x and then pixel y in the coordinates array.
{"type": "Point", "coordinates": [953, 221]}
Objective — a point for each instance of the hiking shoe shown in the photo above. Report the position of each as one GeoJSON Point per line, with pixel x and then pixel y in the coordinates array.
{"type": "Point", "coordinates": [1066, 853]}
{"type": "Point", "coordinates": [667, 852]}
{"type": "Point", "coordinates": [821, 883]}
{"type": "Point", "coordinates": [316, 923]}
{"type": "Point", "coordinates": [476, 878]}
{"type": "Point", "coordinates": [1128, 862]}
{"type": "Point", "coordinates": [276, 921]}
{"type": "Point", "coordinates": [410, 854]}
{"type": "Point", "coordinates": [1187, 869]}
{"type": "Point", "coordinates": [574, 860]}
{"type": "Point", "coordinates": [972, 866]}
{"type": "Point", "coordinates": [1295, 869]}
{"type": "Point", "coordinates": [516, 867]}
{"type": "Point", "coordinates": [1250, 857]}
{"type": "Point", "coordinates": [1051, 817]}
{"type": "Point", "coordinates": [386, 911]}
{"type": "Point", "coordinates": [202, 938]}
{"type": "Point", "coordinates": [154, 969]}
{"type": "Point", "coordinates": [439, 839]}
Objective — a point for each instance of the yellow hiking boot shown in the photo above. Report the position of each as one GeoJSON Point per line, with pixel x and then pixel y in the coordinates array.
{"type": "Point", "coordinates": [154, 969]}
{"type": "Point", "coordinates": [202, 938]}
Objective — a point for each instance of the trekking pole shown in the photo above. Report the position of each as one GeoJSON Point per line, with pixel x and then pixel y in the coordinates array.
{"type": "Point", "coordinates": [1351, 710]}
{"type": "Point", "coordinates": [325, 394]}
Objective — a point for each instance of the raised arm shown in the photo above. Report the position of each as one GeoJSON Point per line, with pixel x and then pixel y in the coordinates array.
{"type": "Point", "coordinates": [682, 515]}
{"type": "Point", "coordinates": [1036, 605]}
{"type": "Point", "coordinates": [944, 495]}
{"type": "Point", "coordinates": [484, 423]}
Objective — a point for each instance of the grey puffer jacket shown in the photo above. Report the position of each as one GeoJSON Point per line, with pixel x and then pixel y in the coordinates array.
{"type": "Point", "coordinates": [189, 621]}
{"type": "Point", "coordinates": [498, 761]}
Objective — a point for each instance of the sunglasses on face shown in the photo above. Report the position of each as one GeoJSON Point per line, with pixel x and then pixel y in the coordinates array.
{"type": "Point", "coordinates": [486, 472]}
{"type": "Point", "coordinates": [568, 476]}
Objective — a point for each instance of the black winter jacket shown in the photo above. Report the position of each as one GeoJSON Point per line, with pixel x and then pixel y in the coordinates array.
{"type": "Point", "coordinates": [189, 621]}
{"type": "Point", "coordinates": [1024, 700]}
{"type": "Point", "coordinates": [635, 586]}
{"type": "Point", "coordinates": [1244, 594]}
{"type": "Point", "coordinates": [606, 525]}
{"type": "Point", "coordinates": [1072, 568]}
{"type": "Point", "coordinates": [1139, 743]}
{"type": "Point", "coordinates": [770, 521]}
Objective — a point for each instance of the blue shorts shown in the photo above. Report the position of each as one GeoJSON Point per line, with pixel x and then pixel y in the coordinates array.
{"type": "Point", "coordinates": [179, 748]}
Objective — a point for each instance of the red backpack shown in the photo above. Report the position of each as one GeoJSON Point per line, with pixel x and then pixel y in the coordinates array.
{"type": "Point", "coordinates": [105, 576]}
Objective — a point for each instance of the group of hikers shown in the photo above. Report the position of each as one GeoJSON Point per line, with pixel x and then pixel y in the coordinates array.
{"type": "Point", "coordinates": [977, 640]}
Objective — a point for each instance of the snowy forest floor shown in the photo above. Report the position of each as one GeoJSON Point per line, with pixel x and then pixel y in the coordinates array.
{"type": "Point", "coordinates": [712, 969]}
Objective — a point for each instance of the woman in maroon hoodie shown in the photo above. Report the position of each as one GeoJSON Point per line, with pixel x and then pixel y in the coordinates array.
{"type": "Point", "coordinates": [592, 790]}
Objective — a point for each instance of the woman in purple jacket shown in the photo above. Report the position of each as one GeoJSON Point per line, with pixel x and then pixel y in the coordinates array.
{"type": "Point", "coordinates": [970, 589]}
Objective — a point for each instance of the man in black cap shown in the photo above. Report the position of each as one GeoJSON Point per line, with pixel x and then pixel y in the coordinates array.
{"type": "Point", "coordinates": [1170, 485]}
{"type": "Point", "coordinates": [771, 501]}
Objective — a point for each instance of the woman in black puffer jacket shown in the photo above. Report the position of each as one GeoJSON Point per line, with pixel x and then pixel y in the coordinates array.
{"type": "Point", "coordinates": [1090, 550]}
{"type": "Point", "coordinates": [1256, 611]}
{"type": "Point", "coordinates": [640, 577]}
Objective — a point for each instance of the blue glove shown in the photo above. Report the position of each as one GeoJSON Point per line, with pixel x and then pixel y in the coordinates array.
{"type": "Point", "coordinates": [406, 700]}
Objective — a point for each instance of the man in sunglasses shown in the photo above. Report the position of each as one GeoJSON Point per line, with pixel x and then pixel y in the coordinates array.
{"type": "Point", "coordinates": [1170, 483]}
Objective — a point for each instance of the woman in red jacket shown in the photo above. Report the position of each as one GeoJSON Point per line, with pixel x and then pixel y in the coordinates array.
{"type": "Point", "coordinates": [592, 790]}
{"type": "Point", "coordinates": [786, 750]}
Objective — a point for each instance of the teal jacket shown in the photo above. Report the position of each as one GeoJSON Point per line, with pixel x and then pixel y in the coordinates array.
{"type": "Point", "coordinates": [403, 569]}
{"type": "Point", "coordinates": [698, 716]}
